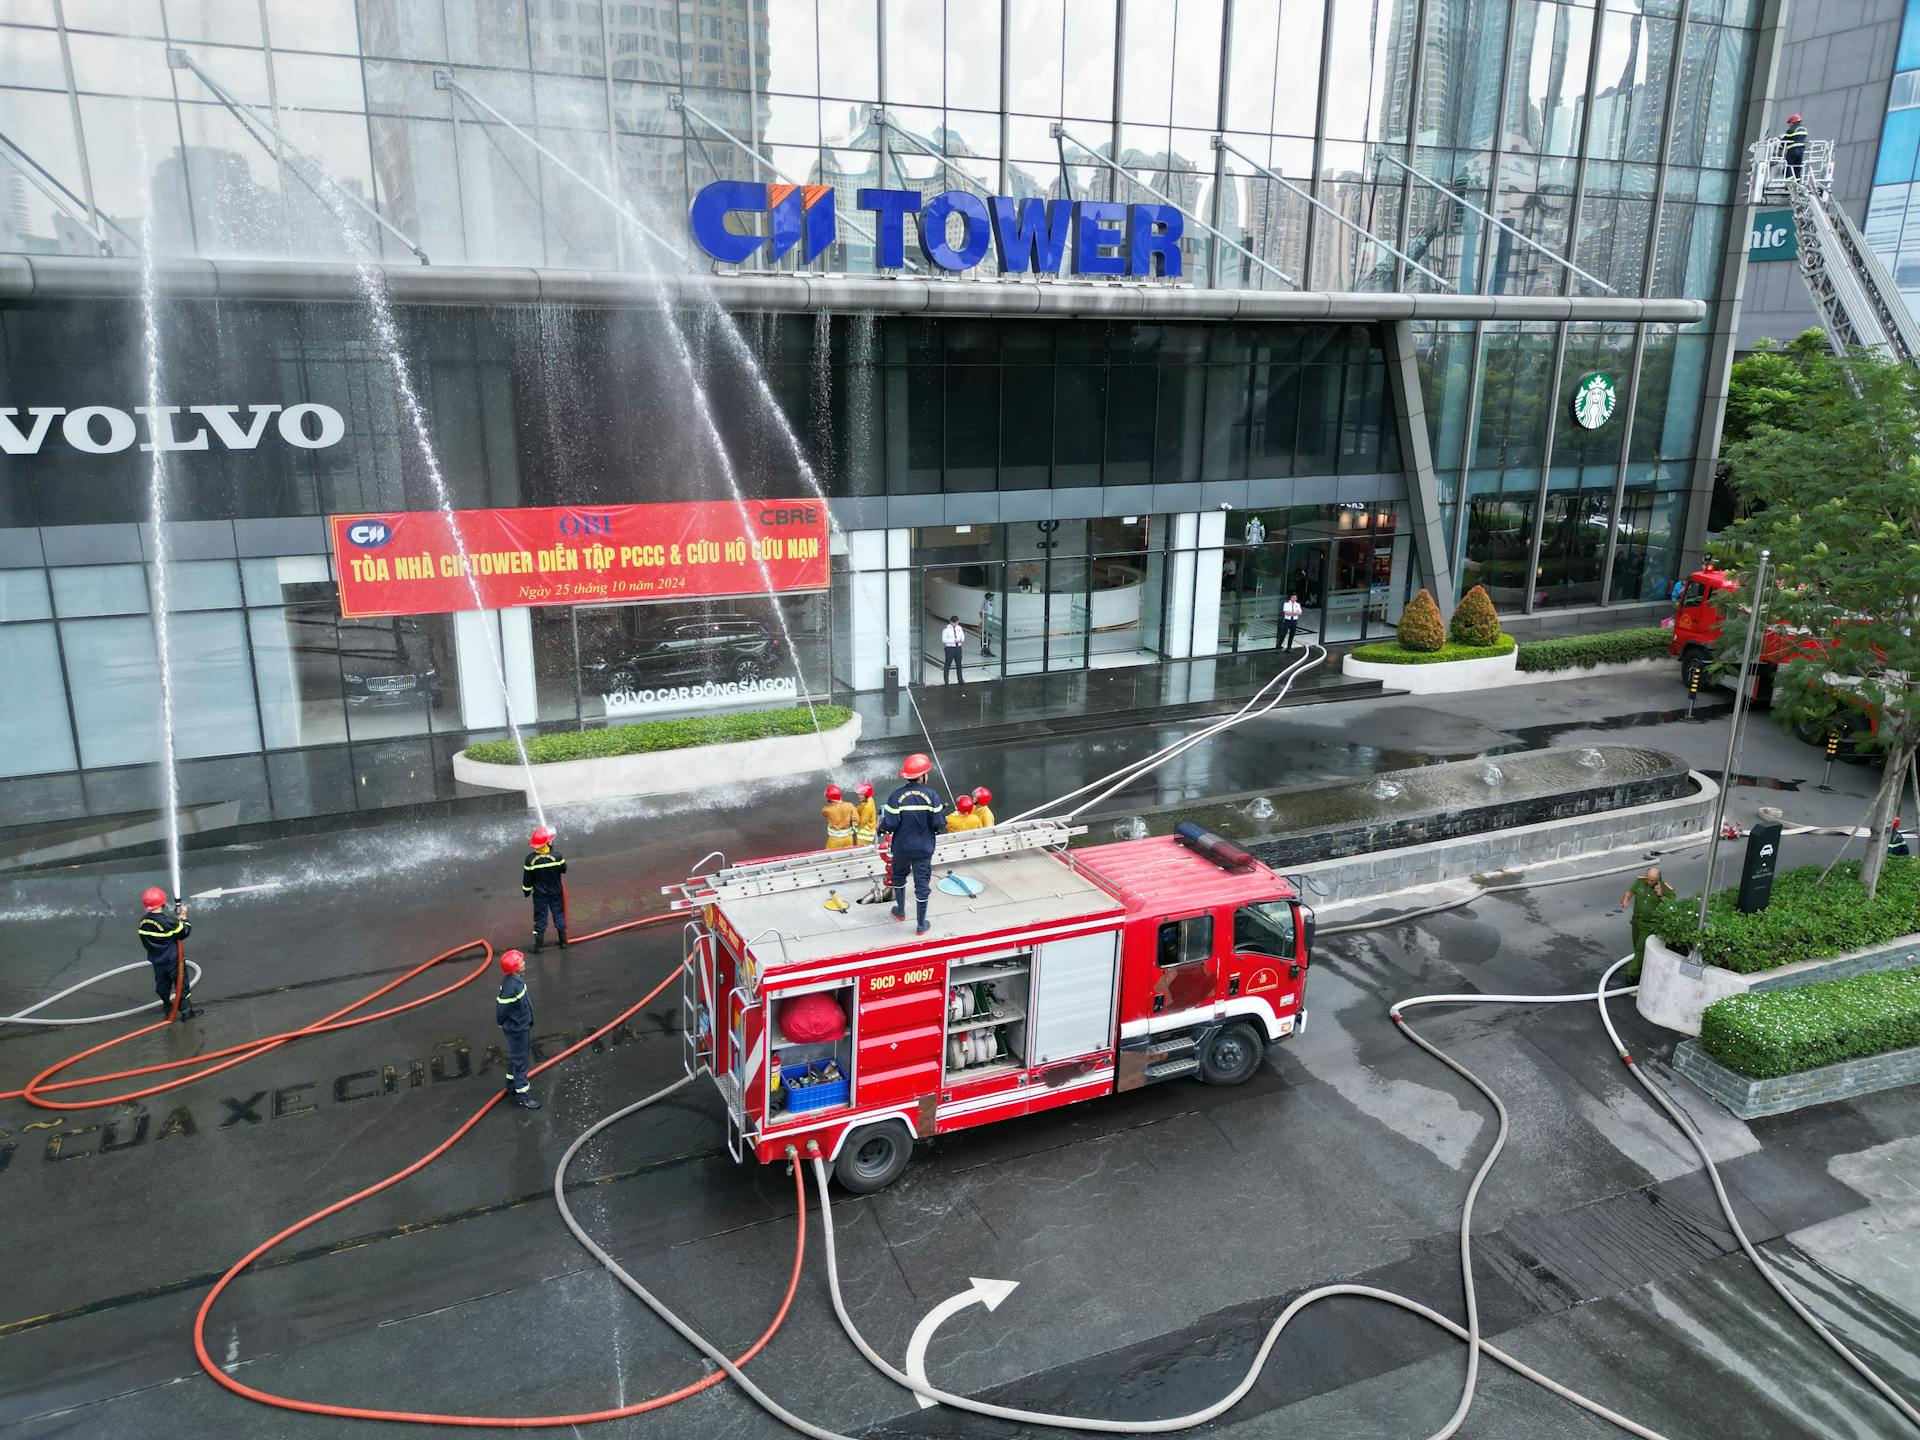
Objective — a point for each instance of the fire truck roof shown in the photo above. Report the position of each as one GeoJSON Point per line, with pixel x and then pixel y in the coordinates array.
{"type": "Point", "coordinates": [1163, 874]}
{"type": "Point", "coordinates": [1017, 892]}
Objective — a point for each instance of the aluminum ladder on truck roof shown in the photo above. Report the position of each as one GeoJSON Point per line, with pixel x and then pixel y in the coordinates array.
{"type": "Point", "coordinates": [1851, 287]}
{"type": "Point", "coordinates": [841, 867]}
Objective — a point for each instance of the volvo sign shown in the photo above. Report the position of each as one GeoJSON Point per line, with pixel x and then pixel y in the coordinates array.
{"type": "Point", "coordinates": [104, 430]}
{"type": "Point", "coordinates": [955, 229]}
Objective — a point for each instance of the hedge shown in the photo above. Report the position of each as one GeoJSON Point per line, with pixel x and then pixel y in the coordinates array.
{"type": "Point", "coordinates": [652, 735]}
{"type": "Point", "coordinates": [1389, 652]}
{"type": "Point", "coordinates": [1805, 920]}
{"type": "Point", "coordinates": [1780, 1032]}
{"type": "Point", "coordinates": [1583, 652]}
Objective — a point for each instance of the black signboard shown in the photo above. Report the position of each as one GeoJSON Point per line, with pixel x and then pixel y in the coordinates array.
{"type": "Point", "coordinates": [1763, 863]}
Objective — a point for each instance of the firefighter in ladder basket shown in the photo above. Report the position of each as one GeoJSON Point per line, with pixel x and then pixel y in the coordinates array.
{"type": "Point", "coordinates": [913, 817]}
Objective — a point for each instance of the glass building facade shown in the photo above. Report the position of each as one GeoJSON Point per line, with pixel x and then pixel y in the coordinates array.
{"type": "Point", "coordinates": [1893, 205]}
{"type": "Point", "coordinates": [1125, 490]}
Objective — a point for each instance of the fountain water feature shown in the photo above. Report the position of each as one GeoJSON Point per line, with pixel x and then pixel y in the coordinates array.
{"type": "Point", "coordinates": [1132, 828]}
{"type": "Point", "coordinates": [1492, 776]}
{"type": "Point", "coordinates": [822, 387]}
{"type": "Point", "coordinates": [1590, 759]}
{"type": "Point", "coordinates": [1381, 789]}
{"type": "Point", "coordinates": [157, 519]}
{"type": "Point", "coordinates": [1261, 808]}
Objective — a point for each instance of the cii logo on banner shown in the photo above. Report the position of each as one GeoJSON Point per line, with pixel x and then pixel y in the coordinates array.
{"type": "Point", "coordinates": [955, 229]}
{"type": "Point", "coordinates": [1773, 236]}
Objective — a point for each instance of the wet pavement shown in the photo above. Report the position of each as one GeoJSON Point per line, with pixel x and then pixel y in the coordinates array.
{"type": "Point", "coordinates": [1153, 1235]}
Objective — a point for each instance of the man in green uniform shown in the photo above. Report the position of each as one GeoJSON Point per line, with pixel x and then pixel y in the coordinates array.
{"type": "Point", "coordinates": [1645, 895]}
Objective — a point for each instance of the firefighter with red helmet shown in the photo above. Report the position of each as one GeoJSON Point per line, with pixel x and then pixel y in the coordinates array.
{"type": "Point", "coordinates": [914, 817]}
{"type": "Point", "coordinates": [963, 816]}
{"type": "Point", "coordinates": [842, 820]}
{"type": "Point", "coordinates": [866, 816]}
{"type": "Point", "coordinates": [161, 935]}
{"type": "Point", "coordinates": [541, 877]}
{"type": "Point", "coordinates": [513, 1008]}
{"type": "Point", "coordinates": [983, 807]}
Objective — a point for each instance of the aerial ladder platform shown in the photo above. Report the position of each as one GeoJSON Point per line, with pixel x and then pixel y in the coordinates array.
{"type": "Point", "coordinates": [1859, 304]}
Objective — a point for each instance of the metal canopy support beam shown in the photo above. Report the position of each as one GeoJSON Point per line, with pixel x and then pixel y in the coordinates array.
{"type": "Point", "coordinates": [1220, 143]}
{"type": "Point", "coordinates": [1460, 199]}
{"type": "Point", "coordinates": [249, 118]}
{"type": "Point", "coordinates": [1416, 454]}
{"type": "Point", "coordinates": [678, 102]}
{"type": "Point", "coordinates": [443, 80]}
{"type": "Point", "coordinates": [1060, 133]}
{"type": "Point", "coordinates": [63, 199]}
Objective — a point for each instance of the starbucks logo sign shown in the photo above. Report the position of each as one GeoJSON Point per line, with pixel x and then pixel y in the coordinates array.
{"type": "Point", "coordinates": [1593, 400]}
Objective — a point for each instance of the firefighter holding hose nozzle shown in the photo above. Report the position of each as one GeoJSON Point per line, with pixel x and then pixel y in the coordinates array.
{"type": "Point", "coordinates": [540, 877]}
{"type": "Point", "coordinates": [866, 817]}
{"type": "Point", "coordinates": [514, 1010]}
{"type": "Point", "coordinates": [914, 816]}
{"type": "Point", "coordinates": [162, 934]}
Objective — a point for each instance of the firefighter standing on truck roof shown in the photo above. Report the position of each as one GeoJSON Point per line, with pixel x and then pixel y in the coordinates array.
{"type": "Point", "coordinates": [914, 816]}
{"type": "Point", "coordinates": [983, 807]}
{"type": "Point", "coordinates": [161, 934]}
{"type": "Point", "coordinates": [540, 877]}
{"type": "Point", "coordinates": [513, 1008]}
{"type": "Point", "coordinates": [842, 820]}
{"type": "Point", "coordinates": [866, 816]}
{"type": "Point", "coordinates": [964, 816]}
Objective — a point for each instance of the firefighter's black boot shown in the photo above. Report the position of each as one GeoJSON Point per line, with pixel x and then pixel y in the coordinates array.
{"type": "Point", "coordinates": [525, 1102]}
{"type": "Point", "coordinates": [563, 938]}
{"type": "Point", "coordinates": [539, 941]}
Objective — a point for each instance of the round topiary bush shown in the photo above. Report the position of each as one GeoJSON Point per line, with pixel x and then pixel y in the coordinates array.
{"type": "Point", "coordinates": [1420, 625]}
{"type": "Point", "coordinates": [1475, 622]}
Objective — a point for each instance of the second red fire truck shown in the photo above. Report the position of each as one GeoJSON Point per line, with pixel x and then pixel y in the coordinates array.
{"type": "Point", "coordinates": [1050, 976]}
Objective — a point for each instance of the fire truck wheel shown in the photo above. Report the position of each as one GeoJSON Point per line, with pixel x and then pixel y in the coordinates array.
{"type": "Point", "coordinates": [873, 1157]}
{"type": "Point", "coordinates": [1689, 663]}
{"type": "Point", "coordinates": [1231, 1056]}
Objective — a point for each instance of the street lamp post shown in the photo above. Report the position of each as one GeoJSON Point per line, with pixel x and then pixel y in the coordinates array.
{"type": "Point", "coordinates": [1754, 626]}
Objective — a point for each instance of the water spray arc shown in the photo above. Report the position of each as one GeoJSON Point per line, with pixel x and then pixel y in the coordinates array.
{"type": "Point", "coordinates": [161, 542]}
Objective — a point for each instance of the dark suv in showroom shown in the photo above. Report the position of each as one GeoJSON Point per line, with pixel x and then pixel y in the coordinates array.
{"type": "Point", "coordinates": [686, 650]}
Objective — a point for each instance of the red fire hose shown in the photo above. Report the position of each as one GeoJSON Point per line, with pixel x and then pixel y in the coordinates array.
{"type": "Point", "coordinates": [525, 1422]}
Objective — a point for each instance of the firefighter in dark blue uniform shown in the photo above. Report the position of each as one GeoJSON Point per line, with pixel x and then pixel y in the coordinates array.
{"type": "Point", "coordinates": [514, 1010]}
{"type": "Point", "coordinates": [540, 878]}
{"type": "Point", "coordinates": [1794, 141]}
{"type": "Point", "coordinates": [161, 934]}
{"type": "Point", "coordinates": [914, 817]}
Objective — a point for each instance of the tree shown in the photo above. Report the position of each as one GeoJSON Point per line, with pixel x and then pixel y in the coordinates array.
{"type": "Point", "coordinates": [1832, 483]}
{"type": "Point", "coordinates": [1475, 621]}
{"type": "Point", "coordinates": [1420, 625]}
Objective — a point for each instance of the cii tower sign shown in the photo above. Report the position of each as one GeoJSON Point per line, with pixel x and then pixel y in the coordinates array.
{"type": "Point", "coordinates": [955, 229]}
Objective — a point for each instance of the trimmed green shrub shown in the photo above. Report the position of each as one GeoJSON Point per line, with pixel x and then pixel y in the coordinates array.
{"type": "Point", "coordinates": [1391, 652]}
{"type": "Point", "coordinates": [1420, 625]}
{"type": "Point", "coordinates": [653, 735]}
{"type": "Point", "coordinates": [1475, 621]}
{"type": "Point", "coordinates": [1583, 652]}
{"type": "Point", "coordinates": [1805, 920]}
{"type": "Point", "coordinates": [1781, 1032]}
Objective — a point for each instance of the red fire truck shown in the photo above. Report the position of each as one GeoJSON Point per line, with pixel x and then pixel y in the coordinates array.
{"type": "Point", "coordinates": [1696, 631]}
{"type": "Point", "coordinates": [1049, 976]}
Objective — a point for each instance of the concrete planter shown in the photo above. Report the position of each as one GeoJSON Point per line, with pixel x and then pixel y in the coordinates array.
{"type": "Point", "coordinates": [1440, 678]}
{"type": "Point", "coordinates": [665, 772]}
{"type": "Point", "coordinates": [1674, 990]}
{"type": "Point", "coordinates": [1750, 1099]}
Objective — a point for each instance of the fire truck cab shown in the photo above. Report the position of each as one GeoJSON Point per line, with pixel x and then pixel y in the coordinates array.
{"type": "Point", "coordinates": [1049, 976]}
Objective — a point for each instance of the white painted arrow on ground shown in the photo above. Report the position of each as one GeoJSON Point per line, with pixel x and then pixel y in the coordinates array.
{"type": "Point", "coordinates": [982, 1292]}
{"type": "Point", "coordinates": [216, 894]}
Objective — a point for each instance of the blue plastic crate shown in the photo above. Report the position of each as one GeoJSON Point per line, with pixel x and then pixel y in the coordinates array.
{"type": "Point", "coordinates": [822, 1095]}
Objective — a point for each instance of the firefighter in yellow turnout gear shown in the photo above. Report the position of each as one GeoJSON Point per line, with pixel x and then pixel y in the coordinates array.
{"type": "Point", "coordinates": [983, 807]}
{"type": "Point", "coordinates": [866, 816]}
{"type": "Point", "coordinates": [840, 818]}
{"type": "Point", "coordinates": [965, 816]}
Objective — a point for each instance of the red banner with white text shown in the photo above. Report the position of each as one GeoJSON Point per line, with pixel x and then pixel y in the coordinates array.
{"type": "Point", "coordinates": [410, 562]}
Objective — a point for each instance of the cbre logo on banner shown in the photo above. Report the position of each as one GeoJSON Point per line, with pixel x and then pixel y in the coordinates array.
{"type": "Point", "coordinates": [1091, 237]}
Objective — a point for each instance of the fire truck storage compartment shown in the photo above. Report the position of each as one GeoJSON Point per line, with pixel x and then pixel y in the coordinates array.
{"type": "Point", "coordinates": [987, 1016]}
{"type": "Point", "coordinates": [814, 1074]}
{"type": "Point", "coordinates": [1073, 997]}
